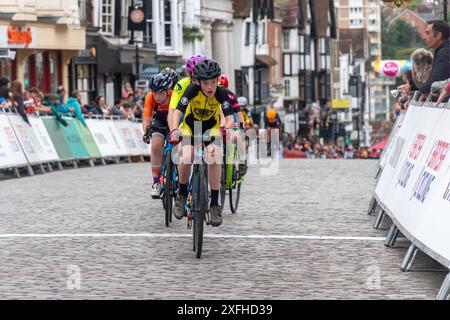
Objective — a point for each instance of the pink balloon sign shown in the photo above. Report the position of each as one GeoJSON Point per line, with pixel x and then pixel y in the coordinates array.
{"type": "Point", "coordinates": [391, 69]}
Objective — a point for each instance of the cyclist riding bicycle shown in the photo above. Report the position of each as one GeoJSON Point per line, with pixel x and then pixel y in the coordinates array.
{"type": "Point", "coordinates": [173, 74]}
{"type": "Point", "coordinates": [239, 122]}
{"type": "Point", "coordinates": [201, 104]}
{"type": "Point", "coordinates": [272, 121]}
{"type": "Point", "coordinates": [180, 88]}
{"type": "Point", "coordinates": [156, 107]}
{"type": "Point", "coordinates": [246, 114]}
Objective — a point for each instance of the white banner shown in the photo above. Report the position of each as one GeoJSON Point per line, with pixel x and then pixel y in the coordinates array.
{"type": "Point", "coordinates": [125, 131]}
{"type": "Point", "coordinates": [414, 185]}
{"type": "Point", "coordinates": [392, 137]}
{"type": "Point", "coordinates": [28, 142]}
{"type": "Point", "coordinates": [11, 155]}
{"type": "Point", "coordinates": [106, 138]}
{"type": "Point", "coordinates": [138, 133]}
{"type": "Point", "coordinates": [41, 138]}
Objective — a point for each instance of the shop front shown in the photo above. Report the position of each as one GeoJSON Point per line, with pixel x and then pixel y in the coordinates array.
{"type": "Point", "coordinates": [42, 53]}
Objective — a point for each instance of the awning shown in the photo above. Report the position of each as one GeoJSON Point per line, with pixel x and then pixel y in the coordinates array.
{"type": "Point", "coordinates": [267, 60]}
{"type": "Point", "coordinates": [112, 58]}
{"type": "Point", "coordinates": [380, 145]}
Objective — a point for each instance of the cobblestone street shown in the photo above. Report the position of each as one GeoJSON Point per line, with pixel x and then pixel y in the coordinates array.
{"type": "Point", "coordinates": [302, 233]}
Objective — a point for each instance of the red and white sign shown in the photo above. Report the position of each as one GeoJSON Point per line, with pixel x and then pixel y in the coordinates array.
{"type": "Point", "coordinates": [390, 69]}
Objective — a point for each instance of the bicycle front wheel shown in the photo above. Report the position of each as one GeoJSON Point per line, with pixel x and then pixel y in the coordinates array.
{"type": "Point", "coordinates": [200, 206]}
{"type": "Point", "coordinates": [223, 187]}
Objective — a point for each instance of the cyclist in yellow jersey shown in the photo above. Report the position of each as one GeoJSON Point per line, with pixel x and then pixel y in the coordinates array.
{"type": "Point", "coordinates": [180, 88]}
{"type": "Point", "coordinates": [201, 105]}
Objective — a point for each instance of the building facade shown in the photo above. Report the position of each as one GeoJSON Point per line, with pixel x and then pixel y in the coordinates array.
{"type": "Point", "coordinates": [309, 28]}
{"type": "Point", "coordinates": [41, 38]}
{"type": "Point", "coordinates": [109, 59]}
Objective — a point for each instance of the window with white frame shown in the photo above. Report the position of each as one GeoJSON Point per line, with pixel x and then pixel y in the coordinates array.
{"type": "Point", "coordinates": [167, 10]}
{"type": "Point", "coordinates": [124, 17]}
{"type": "Point", "coordinates": [287, 88]}
{"type": "Point", "coordinates": [286, 39]}
{"type": "Point", "coordinates": [82, 6]}
{"type": "Point", "coordinates": [149, 22]}
{"type": "Point", "coordinates": [108, 16]}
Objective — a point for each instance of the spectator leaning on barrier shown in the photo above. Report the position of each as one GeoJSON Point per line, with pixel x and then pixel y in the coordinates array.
{"type": "Point", "coordinates": [101, 103]}
{"type": "Point", "coordinates": [4, 90]}
{"type": "Point", "coordinates": [444, 94]}
{"type": "Point", "coordinates": [52, 101]}
{"type": "Point", "coordinates": [128, 111]}
{"type": "Point", "coordinates": [437, 38]}
{"type": "Point", "coordinates": [61, 95]}
{"type": "Point", "coordinates": [116, 110]}
{"type": "Point", "coordinates": [422, 63]}
{"type": "Point", "coordinates": [73, 104]}
{"type": "Point", "coordinates": [38, 97]}
{"type": "Point", "coordinates": [17, 98]}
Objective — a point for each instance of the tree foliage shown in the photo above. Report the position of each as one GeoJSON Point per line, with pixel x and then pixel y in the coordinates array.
{"type": "Point", "coordinates": [399, 39]}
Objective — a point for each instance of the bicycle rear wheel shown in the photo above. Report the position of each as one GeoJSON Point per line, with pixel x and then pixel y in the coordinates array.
{"type": "Point", "coordinates": [168, 187]}
{"type": "Point", "coordinates": [200, 197]}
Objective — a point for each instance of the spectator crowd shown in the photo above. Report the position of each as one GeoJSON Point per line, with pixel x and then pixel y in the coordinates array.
{"type": "Point", "coordinates": [33, 101]}
{"type": "Point", "coordinates": [429, 77]}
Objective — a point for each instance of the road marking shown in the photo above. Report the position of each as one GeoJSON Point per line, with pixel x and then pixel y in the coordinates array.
{"type": "Point", "coordinates": [188, 235]}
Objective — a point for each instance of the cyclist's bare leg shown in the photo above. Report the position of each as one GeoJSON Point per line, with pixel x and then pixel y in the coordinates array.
{"type": "Point", "coordinates": [186, 160]}
{"type": "Point", "coordinates": [214, 161]}
{"type": "Point", "coordinates": [241, 150]}
{"type": "Point", "coordinates": [156, 154]}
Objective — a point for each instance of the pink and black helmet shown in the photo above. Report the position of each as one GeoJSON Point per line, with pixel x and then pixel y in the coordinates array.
{"type": "Point", "coordinates": [192, 61]}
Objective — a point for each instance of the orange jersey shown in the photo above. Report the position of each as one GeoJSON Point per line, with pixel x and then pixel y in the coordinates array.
{"type": "Point", "coordinates": [151, 105]}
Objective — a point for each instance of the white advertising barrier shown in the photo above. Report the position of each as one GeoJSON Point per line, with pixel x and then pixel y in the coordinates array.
{"type": "Point", "coordinates": [392, 137]}
{"type": "Point", "coordinates": [138, 133]}
{"type": "Point", "coordinates": [39, 133]}
{"type": "Point", "coordinates": [30, 146]}
{"type": "Point", "coordinates": [106, 140]}
{"type": "Point", "coordinates": [414, 187]}
{"type": "Point", "coordinates": [11, 155]}
{"type": "Point", "coordinates": [125, 131]}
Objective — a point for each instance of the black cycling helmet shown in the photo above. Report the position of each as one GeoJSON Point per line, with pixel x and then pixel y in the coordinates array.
{"type": "Point", "coordinates": [206, 70]}
{"type": "Point", "coordinates": [172, 73]}
{"type": "Point", "coordinates": [160, 82]}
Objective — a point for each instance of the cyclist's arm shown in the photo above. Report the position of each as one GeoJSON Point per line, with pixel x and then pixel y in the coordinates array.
{"type": "Point", "coordinates": [223, 120]}
{"type": "Point", "coordinates": [223, 98]}
{"type": "Point", "coordinates": [177, 93]}
{"type": "Point", "coordinates": [240, 117]}
{"type": "Point", "coordinates": [170, 119]}
{"type": "Point", "coordinates": [148, 112]}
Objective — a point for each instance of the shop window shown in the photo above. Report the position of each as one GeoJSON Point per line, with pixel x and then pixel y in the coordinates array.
{"type": "Point", "coordinates": [85, 81]}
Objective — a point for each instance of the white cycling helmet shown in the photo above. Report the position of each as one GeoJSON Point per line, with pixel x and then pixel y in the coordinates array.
{"type": "Point", "coordinates": [242, 101]}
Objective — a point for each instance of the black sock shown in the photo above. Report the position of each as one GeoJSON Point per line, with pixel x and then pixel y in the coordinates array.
{"type": "Point", "coordinates": [184, 189]}
{"type": "Point", "coordinates": [214, 198]}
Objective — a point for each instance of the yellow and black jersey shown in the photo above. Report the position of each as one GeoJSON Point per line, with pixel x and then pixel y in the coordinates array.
{"type": "Point", "coordinates": [197, 107]}
{"type": "Point", "coordinates": [178, 92]}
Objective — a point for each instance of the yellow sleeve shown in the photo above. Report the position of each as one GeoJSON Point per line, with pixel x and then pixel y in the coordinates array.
{"type": "Point", "coordinates": [246, 118]}
{"type": "Point", "coordinates": [178, 91]}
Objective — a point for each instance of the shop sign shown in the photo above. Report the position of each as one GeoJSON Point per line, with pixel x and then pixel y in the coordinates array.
{"type": "Point", "coordinates": [17, 37]}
